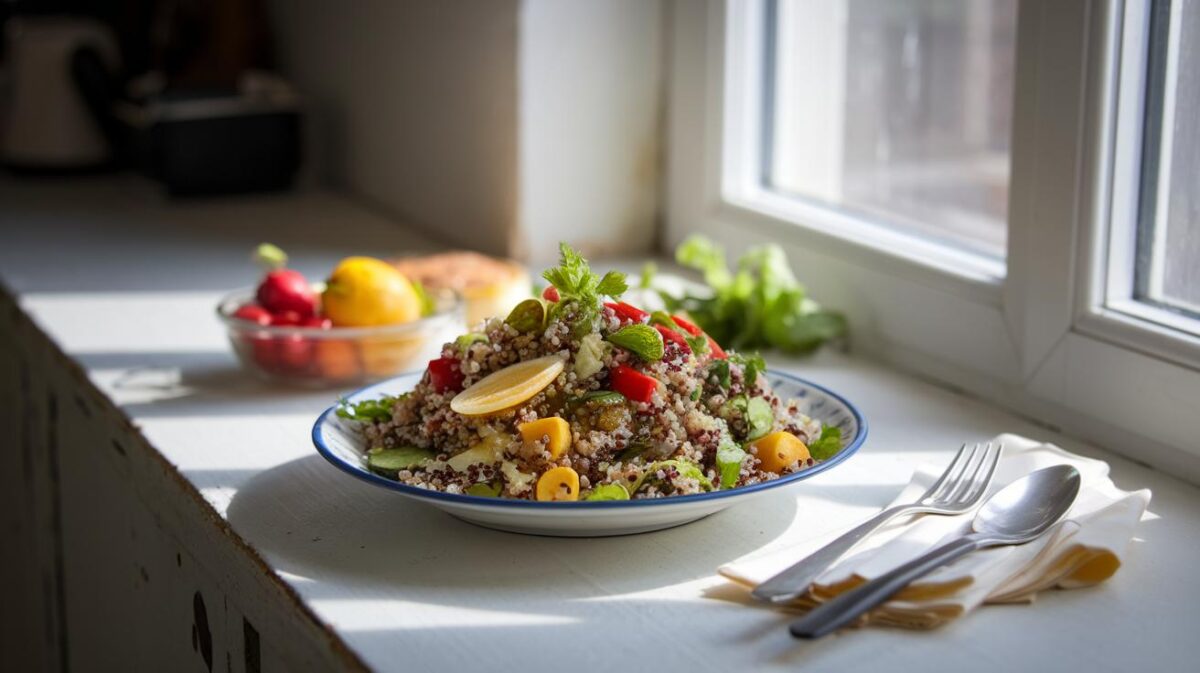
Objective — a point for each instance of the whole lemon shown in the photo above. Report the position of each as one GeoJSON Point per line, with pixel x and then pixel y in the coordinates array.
{"type": "Point", "coordinates": [363, 292]}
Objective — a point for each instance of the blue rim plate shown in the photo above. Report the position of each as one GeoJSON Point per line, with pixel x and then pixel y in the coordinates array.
{"type": "Point", "coordinates": [814, 399]}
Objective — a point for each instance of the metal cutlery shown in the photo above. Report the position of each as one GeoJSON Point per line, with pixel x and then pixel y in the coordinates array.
{"type": "Point", "coordinates": [958, 490]}
{"type": "Point", "coordinates": [1016, 514]}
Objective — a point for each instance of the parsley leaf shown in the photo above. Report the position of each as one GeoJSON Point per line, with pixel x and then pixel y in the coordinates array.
{"type": "Point", "coordinates": [752, 364]}
{"type": "Point", "coordinates": [578, 287]}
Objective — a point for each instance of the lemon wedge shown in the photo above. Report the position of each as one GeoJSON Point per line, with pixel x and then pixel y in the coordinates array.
{"type": "Point", "coordinates": [508, 387]}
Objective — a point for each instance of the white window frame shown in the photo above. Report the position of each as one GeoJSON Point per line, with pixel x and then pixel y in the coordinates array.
{"type": "Point", "coordinates": [1040, 336]}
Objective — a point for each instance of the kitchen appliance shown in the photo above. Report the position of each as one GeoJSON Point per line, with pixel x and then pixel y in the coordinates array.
{"type": "Point", "coordinates": [47, 125]}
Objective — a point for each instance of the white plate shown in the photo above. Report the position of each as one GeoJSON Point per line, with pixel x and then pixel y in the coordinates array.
{"type": "Point", "coordinates": [341, 442]}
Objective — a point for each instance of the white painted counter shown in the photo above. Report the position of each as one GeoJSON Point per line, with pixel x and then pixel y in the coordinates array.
{"type": "Point", "coordinates": [125, 285]}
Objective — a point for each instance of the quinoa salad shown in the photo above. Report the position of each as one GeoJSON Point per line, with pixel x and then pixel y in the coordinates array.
{"type": "Point", "coordinates": [579, 396]}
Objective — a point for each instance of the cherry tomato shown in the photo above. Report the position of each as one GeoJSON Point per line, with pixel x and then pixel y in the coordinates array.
{"type": "Point", "coordinates": [445, 375]}
{"type": "Point", "coordinates": [633, 384]}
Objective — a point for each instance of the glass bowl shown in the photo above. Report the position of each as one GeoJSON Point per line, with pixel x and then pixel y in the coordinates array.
{"type": "Point", "coordinates": [339, 356]}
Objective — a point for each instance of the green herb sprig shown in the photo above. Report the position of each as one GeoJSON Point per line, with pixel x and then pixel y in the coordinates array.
{"type": "Point", "coordinates": [760, 304]}
{"type": "Point", "coordinates": [581, 289]}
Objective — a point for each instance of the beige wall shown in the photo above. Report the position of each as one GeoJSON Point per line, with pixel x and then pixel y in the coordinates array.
{"type": "Point", "coordinates": [413, 106]}
{"type": "Point", "coordinates": [500, 125]}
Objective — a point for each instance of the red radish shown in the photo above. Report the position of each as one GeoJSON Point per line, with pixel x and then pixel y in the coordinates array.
{"type": "Point", "coordinates": [445, 375]}
{"type": "Point", "coordinates": [265, 353]}
{"type": "Point", "coordinates": [295, 353]}
{"type": "Point", "coordinates": [287, 319]}
{"type": "Point", "coordinates": [253, 313]}
{"type": "Point", "coordinates": [283, 289]}
{"type": "Point", "coordinates": [550, 293]}
{"type": "Point", "coordinates": [628, 311]}
{"type": "Point", "coordinates": [317, 321]}
{"type": "Point", "coordinates": [287, 290]}
{"type": "Point", "coordinates": [633, 384]}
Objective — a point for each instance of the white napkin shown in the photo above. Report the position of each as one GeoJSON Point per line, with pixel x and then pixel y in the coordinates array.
{"type": "Point", "coordinates": [1083, 549]}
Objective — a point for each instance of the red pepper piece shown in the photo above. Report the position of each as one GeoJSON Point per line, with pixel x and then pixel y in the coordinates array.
{"type": "Point", "coordinates": [550, 293]}
{"type": "Point", "coordinates": [671, 336]}
{"type": "Point", "coordinates": [687, 326]}
{"type": "Point", "coordinates": [633, 384]}
{"type": "Point", "coordinates": [445, 375]}
{"type": "Point", "coordinates": [627, 311]}
{"type": "Point", "coordinates": [714, 348]}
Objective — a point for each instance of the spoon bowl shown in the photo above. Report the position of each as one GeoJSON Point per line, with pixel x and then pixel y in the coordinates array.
{"type": "Point", "coordinates": [1028, 506]}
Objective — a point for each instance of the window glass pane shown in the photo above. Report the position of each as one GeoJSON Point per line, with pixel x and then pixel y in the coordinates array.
{"type": "Point", "coordinates": [1168, 261]}
{"type": "Point", "coordinates": [896, 110]}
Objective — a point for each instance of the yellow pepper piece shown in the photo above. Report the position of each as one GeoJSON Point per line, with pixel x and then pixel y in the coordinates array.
{"type": "Point", "coordinates": [778, 450]}
{"type": "Point", "coordinates": [559, 483]}
{"type": "Point", "coordinates": [556, 430]}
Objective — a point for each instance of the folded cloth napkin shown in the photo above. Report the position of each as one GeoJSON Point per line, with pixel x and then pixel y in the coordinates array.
{"type": "Point", "coordinates": [1083, 549]}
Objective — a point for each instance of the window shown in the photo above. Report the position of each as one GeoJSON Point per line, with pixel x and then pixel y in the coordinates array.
{"type": "Point", "coordinates": [1167, 262]}
{"type": "Point", "coordinates": [896, 111]}
{"type": "Point", "coordinates": [1003, 195]}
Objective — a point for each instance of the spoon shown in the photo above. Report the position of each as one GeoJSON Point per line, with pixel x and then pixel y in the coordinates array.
{"type": "Point", "coordinates": [1016, 514]}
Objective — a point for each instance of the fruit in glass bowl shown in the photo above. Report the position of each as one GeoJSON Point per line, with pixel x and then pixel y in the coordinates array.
{"type": "Point", "coordinates": [290, 338]}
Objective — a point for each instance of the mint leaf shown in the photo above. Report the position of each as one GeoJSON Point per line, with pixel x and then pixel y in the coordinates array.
{"type": "Point", "coordinates": [642, 340]}
{"type": "Point", "coordinates": [828, 444]}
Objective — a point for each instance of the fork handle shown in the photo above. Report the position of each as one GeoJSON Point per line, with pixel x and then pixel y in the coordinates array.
{"type": "Point", "coordinates": [847, 607]}
{"type": "Point", "coordinates": [793, 582]}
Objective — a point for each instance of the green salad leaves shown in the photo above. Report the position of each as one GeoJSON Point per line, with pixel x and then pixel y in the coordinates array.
{"type": "Point", "coordinates": [374, 411]}
{"type": "Point", "coordinates": [760, 304]}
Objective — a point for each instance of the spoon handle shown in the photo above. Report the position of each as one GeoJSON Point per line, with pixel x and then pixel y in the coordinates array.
{"type": "Point", "coordinates": [847, 607]}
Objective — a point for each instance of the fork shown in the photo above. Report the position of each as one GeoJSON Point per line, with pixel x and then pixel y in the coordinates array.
{"type": "Point", "coordinates": [958, 490]}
